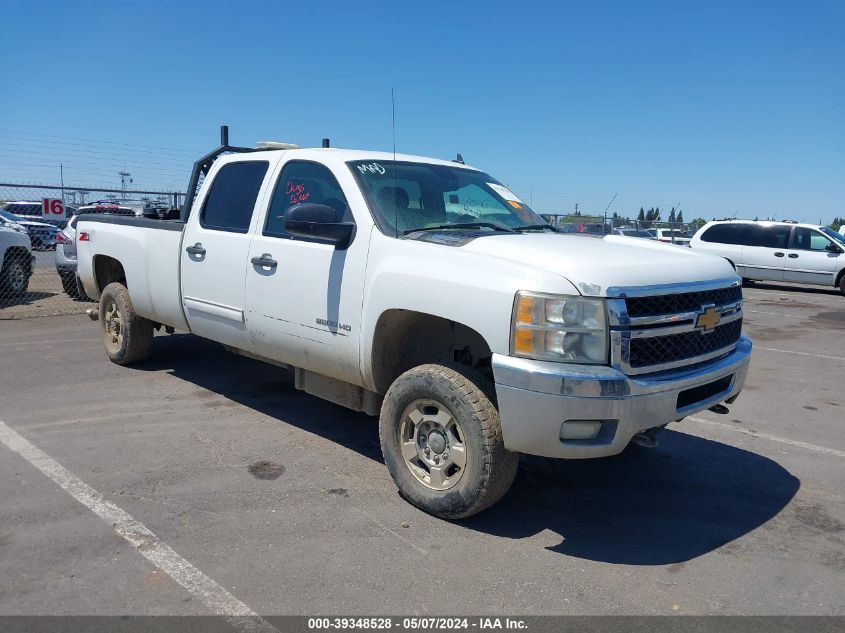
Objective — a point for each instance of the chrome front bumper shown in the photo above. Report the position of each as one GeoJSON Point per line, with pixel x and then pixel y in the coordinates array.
{"type": "Point", "coordinates": [536, 397]}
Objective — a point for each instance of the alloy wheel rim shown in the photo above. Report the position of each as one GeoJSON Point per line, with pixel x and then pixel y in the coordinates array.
{"type": "Point", "coordinates": [432, 444]}
{"type": "Point", "coordinates": [18, 279]}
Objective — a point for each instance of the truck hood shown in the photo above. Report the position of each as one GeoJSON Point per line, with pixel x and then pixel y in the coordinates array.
{"type": "Point", "coordinates": [594, 264]}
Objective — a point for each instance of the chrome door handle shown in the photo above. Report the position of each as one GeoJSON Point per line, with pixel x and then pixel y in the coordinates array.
{"type": "Point", "coordinates": [266, 260]}
{"type": "Point", "coordinates": [196, 249]}
{"type": "Point", "coordinates": [778, 254]}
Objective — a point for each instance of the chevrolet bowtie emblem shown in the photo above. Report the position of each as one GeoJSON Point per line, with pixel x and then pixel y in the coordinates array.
{"type": "Point", "coordinates": [708, 319]}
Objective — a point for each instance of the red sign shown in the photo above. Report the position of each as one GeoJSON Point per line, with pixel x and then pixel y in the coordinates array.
{"type": "Point", "coordinates": [52, 206]}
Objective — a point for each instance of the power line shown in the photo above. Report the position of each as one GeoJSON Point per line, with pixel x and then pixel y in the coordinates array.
{"type": "Point", "coordinates": [80, 138]}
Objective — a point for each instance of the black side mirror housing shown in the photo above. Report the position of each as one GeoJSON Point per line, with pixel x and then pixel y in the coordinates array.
{"type": "Point", "coordinates": [833, 248]}
{"type": "Point", "coordinates": [321, 222]}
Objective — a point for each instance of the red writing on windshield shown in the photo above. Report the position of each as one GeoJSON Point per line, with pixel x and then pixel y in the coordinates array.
{"type": "Point", "coordinates": [296, 192]}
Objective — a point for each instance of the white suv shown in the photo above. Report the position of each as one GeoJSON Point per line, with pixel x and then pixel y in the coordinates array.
{"type": "Point", "coordinates": [777, 251]}
{"type": "Point", "coordinates": [16, 264]}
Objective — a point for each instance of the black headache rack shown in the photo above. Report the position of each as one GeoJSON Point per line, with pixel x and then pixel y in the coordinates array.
{"type": "Point", "coordinates": [202, 167]}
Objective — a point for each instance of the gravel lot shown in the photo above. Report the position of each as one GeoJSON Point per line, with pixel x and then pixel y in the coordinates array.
{"type": "Point", "coordinates": [283, 500]}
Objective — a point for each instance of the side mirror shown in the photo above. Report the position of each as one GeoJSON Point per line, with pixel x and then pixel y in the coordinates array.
{"type": "Point", "coordinates": [832, 248]}
{"type": "Point", "coordinates": [319, 221]}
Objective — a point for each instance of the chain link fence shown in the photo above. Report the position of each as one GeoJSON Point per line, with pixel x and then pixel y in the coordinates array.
{"type": "Point", "coordinates": [38, 271]}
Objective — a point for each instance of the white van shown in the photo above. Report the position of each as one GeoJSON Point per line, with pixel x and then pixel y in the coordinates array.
{"type": "Point", "coordinates": [777, 251]}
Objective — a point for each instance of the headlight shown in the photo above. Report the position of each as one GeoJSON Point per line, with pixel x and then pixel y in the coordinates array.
{"type": "Point", "coordinates": [561, 328]}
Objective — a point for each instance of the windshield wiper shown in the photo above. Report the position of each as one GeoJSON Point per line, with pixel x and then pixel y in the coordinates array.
{"type": "Point", "coordinates": [535, 227]}
{"type": "Point", "coordinates": [461, 225]}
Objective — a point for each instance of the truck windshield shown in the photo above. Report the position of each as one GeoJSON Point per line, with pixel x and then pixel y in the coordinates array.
{"type": "Point", "coordinates": [406, 197]}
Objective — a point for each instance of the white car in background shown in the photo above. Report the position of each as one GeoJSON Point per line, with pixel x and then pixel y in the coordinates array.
{"type": "Point", "coordinates": [777, 251]}
{"type": "Point", "coordinates": [671, 236]}
{"type": "Point", "coordinates": [41, 234]}
{"type": "Point", "coordinates": [16, 264]}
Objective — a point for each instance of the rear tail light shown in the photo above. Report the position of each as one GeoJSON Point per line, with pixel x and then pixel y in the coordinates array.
{"type": "Point", "coordinates": [61, 238]}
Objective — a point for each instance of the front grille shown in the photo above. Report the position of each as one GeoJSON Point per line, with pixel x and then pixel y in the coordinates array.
{"type": "Point", "coordinates": [684, 302]}
{"type": "Point", "coordinates": [657, 350]}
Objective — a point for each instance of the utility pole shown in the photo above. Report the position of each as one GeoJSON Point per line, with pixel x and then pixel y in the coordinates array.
{"type": "Point", "coordinates": [62, 179]}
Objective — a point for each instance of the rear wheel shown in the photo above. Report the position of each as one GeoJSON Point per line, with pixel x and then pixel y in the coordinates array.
{"type": "Point", "coordinates": [69, 285]}
{"type": "Point", "coordinates": [127, 337]}
{"type": "Point", "coordinates": [842, 284]}
{"type": "Point", "coordinates": [442, 441]}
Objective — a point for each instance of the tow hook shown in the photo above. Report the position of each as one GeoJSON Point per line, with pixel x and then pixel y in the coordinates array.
{"type": "Point", "coordinates": [93, 314]}
{"type": "Point", "coordinates": [720, 409]}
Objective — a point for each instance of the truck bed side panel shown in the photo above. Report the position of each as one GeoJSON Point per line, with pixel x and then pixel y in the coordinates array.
{"type": "Point", "coordinates": [149, 252]}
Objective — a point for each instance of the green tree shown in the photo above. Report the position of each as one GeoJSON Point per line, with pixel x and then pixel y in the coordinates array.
{"type": "Point", "coordinates": [837, 222]}
{"type": "Point", "coordinates": [680, 217]}
{"type": "Point", "coordinates": [672, 216]}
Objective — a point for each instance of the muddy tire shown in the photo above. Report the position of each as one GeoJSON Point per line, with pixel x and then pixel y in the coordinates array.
{"type": "Point", "coordinates": [127, 337]}
{"type": "Point", "coordinates": [442, 441]}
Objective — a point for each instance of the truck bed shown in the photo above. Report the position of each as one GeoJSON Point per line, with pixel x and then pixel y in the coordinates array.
{"type": "Point", "coordinates": [149, 251]}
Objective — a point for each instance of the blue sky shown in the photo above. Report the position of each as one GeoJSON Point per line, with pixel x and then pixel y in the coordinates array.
{"type": "Point", "coordinates": [725, 107]}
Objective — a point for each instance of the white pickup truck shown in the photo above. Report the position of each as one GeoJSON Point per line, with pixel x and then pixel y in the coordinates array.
{"type": "Point", "coordinates": [427, 293]}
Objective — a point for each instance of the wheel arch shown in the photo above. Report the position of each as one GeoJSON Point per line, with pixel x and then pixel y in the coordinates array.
{"type": "Point", "coordinates": [107, 269]}
{"type": "Point", "coordinates": [403, 339]}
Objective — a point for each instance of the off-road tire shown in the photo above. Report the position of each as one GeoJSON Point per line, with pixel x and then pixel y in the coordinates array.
{"type": "Point", "coordinates": [134, 341]}
{"type": "Point", "coordinates": [15, 275]}
{"type": "Point", "coordinates": [842, 285]}
{"type": "Point", "coordinates": [490, 468]}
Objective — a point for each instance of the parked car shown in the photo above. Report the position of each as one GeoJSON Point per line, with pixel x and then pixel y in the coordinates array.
{"type": "Point", "coordinates": [777, 251]}
{"type": "Point", "coordinates": [41, 234]}
{"type": "Point", "coordinates": [671, 236]}
{"type": "Point", "coordinates": [16, 264]}
{"type": "Point", "coordinates": [11, 224]}
{"type": "Point", "coordinates": [33, 211]}
{"type": "Point", "coordinates": [632, 232]}
{"type": "Point", "coordinates": [474, 335]}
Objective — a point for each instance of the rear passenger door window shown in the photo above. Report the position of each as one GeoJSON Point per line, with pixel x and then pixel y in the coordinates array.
{"type": "Point", "coordinates": [231, 200]}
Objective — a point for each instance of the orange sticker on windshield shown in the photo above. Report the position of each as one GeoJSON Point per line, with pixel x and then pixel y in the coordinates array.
{"type": "Point", "coordinates": [514, 204]}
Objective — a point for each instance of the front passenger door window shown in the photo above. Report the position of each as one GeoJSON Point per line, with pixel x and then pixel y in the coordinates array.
{"type": "Point", "coordinates": [304, 182]}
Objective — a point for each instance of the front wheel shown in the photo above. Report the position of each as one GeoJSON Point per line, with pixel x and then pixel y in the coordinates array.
{"type": "Point", "coordinates": [14, 276]}
{"type": "Point", "coordinates": [442, 441]}
{"type": "Point", "coordinates": [127, 337]}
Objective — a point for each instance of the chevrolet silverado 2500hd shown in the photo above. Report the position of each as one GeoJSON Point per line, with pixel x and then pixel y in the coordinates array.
{"type": "Point", "coordinates": [427, 293]}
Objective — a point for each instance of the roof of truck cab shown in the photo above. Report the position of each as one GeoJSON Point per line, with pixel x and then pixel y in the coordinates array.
{"type": "Point", "coordinates": [345, 155]}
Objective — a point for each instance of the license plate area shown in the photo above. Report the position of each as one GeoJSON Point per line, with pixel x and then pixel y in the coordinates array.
{"type": "Point", "coordinates": [690, 397]}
